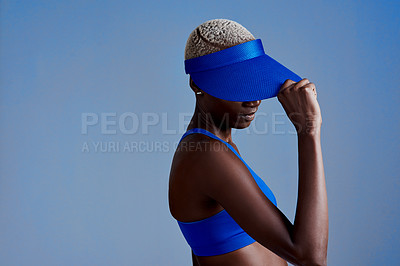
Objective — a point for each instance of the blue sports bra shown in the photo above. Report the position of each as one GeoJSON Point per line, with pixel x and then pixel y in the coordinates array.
{"type": "Point", "coordinates": [219, 234]}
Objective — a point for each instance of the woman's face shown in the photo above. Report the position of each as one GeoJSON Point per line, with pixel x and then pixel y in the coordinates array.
{"type": "Point", "coordinates": [230, 114]}
{"type": "Point", "coordinates": [224, 113]}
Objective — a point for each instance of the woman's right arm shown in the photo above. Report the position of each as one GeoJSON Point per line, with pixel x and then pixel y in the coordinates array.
{"type": "Point", "coordinates": [224, 178]}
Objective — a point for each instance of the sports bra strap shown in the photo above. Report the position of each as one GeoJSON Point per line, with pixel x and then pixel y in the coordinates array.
{"type": "Point", "coordinates": [259, 181]}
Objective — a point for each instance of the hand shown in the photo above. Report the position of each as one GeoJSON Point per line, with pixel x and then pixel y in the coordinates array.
{"type": "Point", "coordinates": [299, 99]}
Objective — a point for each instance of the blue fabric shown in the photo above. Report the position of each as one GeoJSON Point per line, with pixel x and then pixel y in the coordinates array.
{"type": "Point", "coordinates": [219, 234]}
{"type": "Point", "coordinates": [239, 73]}
{"type": "Point", "coordinates": [236, 54]}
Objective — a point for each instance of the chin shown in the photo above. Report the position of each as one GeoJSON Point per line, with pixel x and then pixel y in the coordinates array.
{"type": "Point", "coordinates": [242, 125]}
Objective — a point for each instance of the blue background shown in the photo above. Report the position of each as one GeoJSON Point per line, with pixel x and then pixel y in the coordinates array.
{"type": "Point", "coordinates": [60, 205]}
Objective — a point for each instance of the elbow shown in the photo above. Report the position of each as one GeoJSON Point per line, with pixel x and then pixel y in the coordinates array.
{"type": "Point", "coordinates": [314, 257]}
{"type": "Point", "coordinates": [315, 260]}
{"type": "Point", "coordinates": [309, 261]}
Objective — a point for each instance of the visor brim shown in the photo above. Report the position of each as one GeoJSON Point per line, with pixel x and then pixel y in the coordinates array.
{"type": "Point", "coordinates": [255, 79]}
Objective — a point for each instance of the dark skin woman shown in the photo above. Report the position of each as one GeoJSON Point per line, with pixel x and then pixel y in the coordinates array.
{"type": "Point", "coordinates": [219, 180]}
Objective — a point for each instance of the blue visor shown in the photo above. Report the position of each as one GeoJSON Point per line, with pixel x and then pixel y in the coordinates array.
{"type": "Point", "coordinates": [240, 73]}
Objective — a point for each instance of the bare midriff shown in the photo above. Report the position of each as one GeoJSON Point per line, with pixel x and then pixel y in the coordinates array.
{"type": "Point", "coordinates": [254, 254]}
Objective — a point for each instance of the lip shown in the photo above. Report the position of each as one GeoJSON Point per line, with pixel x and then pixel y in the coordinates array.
{"type": "Point", "coordinates": [249, 116]}
{"type": "Point", "coordinates": [251, 113]}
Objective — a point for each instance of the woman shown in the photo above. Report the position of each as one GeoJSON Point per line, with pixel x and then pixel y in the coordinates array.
{"type": "Point", "coordinates": [227, 214]}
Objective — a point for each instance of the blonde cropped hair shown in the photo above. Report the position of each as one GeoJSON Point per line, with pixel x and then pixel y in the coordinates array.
{"type": "Point", "coordinates": [215, 35]}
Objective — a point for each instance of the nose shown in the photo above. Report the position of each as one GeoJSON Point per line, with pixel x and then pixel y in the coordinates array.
{"type": "Point", "coordinates": [252, 103]}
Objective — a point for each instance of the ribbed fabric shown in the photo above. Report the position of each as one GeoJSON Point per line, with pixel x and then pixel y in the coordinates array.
{"type": "Point", "coordinates": [219, 234]}
{"type": "Point", "coordinates": [234, 54]}
{"type": "Point", "coordinates": [240, 73]}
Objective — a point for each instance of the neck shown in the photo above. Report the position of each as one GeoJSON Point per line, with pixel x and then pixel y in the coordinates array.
{"type": "Point", "coordinates": [204, 120]}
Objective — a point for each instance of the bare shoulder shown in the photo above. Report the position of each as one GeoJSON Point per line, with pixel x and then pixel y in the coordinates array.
{"type": "Point", "coordinates": [194, 166]}
{"type": "Point", "coordinates": [211, 166]}
{"type": "Point", "coordinates": [200, 145]}
{"type": "Point", "coordinates": [195, 149]}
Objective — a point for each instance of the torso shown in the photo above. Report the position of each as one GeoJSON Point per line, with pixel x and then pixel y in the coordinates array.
{"type": "Point", "coordinates": [254, 254]}
{"type": "Point", "coordinates": [182, 188]}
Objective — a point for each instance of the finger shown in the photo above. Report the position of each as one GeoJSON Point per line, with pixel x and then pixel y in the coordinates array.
{"type": "Point", "coordinates": [307, 90]}
{"type": "Point", "coordinates": [301, 83]}
{"type": "Point", "coordinates": [286, 84]}
{"type": "Point", "coordinates": [310, 86]}
{"type": "Point", "coordinates": [282, 98]}
{"type": "Point", "coordinates": [287, 107]}
{"type": "Point", "coordinates": [313, 88]}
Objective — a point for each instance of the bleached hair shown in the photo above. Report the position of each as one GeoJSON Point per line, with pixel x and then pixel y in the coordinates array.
{"type": "Point", "coordinates": [215, 35]}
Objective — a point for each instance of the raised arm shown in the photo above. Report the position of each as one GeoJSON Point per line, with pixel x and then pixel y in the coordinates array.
{"type": "Point", "coordinates": [223, 177]}
{"type": "Point", "coordinates": [310, 229]}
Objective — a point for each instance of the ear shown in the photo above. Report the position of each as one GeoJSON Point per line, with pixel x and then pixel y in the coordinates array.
{"type": "Point", "coordinates": [193, 85]}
